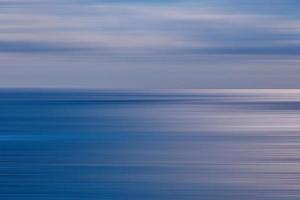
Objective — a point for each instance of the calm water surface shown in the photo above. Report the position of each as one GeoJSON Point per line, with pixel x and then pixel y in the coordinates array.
{"type": "Point", "coordinates": [150, 144]}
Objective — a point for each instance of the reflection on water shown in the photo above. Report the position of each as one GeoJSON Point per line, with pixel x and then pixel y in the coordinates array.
{"type": "Point", "coordinates": [166, 144]}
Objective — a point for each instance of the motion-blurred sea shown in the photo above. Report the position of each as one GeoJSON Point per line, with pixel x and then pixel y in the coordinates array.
{"type": "Point", "coordinates": [149, 144]}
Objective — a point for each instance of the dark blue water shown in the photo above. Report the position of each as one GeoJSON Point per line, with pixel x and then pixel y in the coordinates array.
{"type": "Point", "coordinates": [154, 144]}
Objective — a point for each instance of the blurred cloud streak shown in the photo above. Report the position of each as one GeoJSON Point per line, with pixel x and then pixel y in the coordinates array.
{"type": "Point", "coordinates": [132, 29]}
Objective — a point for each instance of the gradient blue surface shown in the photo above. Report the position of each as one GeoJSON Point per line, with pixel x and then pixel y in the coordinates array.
{"type": "Point", "coordinates": [149, 144]}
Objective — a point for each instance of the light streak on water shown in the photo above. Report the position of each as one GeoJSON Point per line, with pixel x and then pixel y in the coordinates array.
{"type": "Point", "coordinates": [150, 144]}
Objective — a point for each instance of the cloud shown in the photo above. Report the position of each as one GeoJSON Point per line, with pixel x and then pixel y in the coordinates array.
{"type": "Point", "coordinates": [148, 28]}
{"type": "Point", "coordinates": [35, 47]}
{"type": "Point", "coordinates": [173, 33]}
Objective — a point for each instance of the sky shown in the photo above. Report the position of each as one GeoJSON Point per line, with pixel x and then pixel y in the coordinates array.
{"type": "Point", "coordinates": [149, 44]}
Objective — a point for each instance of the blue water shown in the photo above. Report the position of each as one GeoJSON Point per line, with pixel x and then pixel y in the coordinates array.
{"type": "Point", "coordinates": [149, 144]}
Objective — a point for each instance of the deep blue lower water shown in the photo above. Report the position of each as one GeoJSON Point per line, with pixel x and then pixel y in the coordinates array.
{"type": "Point", "coordinates": [150, 144]}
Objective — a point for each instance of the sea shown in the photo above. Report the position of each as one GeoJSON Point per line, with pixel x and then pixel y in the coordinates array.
{"type": "Point", "coordinates": [88, 144]}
